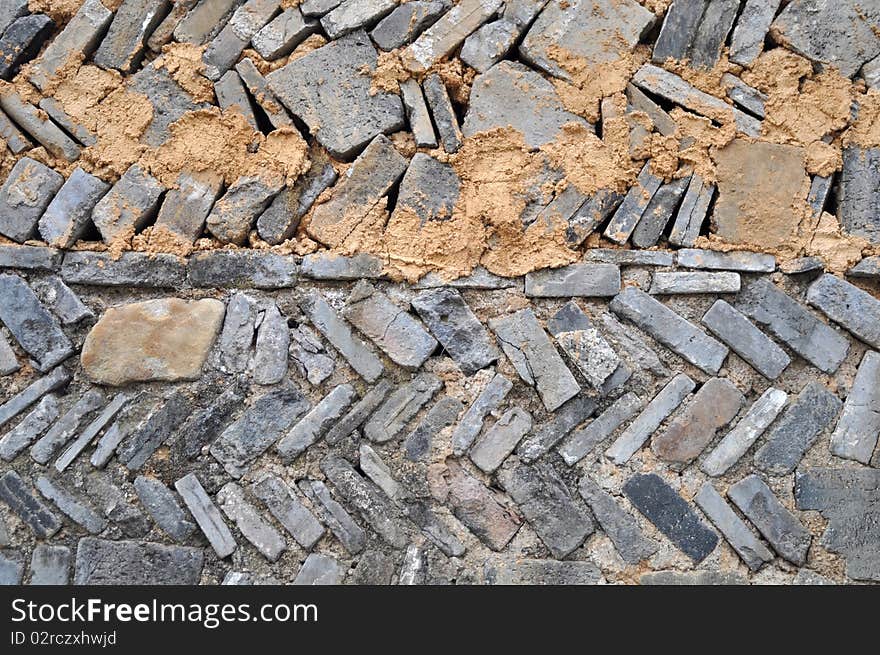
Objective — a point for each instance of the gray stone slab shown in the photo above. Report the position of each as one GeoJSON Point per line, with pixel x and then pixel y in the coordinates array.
{"type": "Point", "coordinates": [8, 359]}
{"type": "Point", "coordinates": [242, 268]}
{"type": "Point", "coordinates": [204, 21]}
{"type": "Point", "coordinates": [247, 519]}
{"type": "Point", "coordinates": [313, 425]}
{"type": "Point", "coordinates": [36, 331]}
{"type": "Point", "coordinates": [406, 22]}
{"type": "Point", "coordinates": [401, 407]}
{"type": "Point", "coordinates": [32, 511]}
{"type": "Point", "coordinates": [325, 266]}
{"type": "Point", "coordinates": [77, 130]}
{"type": "Point", "coordinates": [206, 514]}
{"type": "Point", "coordinates": [358, 413]}
{"type": "Point", "coordinates": [581, 442]}
{"type": "Point", "coordinates": [63, 301]}
{"type": "Point", "coordinates": [670, 329]}
{"type": "Point", "coordinates": [204, 425]}
{"type": "Point", "coordinates": [288, 510]}
{"type": "Point", "coordinates": [91, 430]}
{"type": "Point", "coordinates": [489, 44]}
{"type": "Point", "coordinates": [743, 261]}
{"type": "Point", "coordinates": [594, 280]}
{"type": "Point", "coordinates": [128, 206]}
{"type": "Point", "coordinates": [560, 521]}
{"type": "Point", "coordinates": [693, 578]}
{"type": "Point", "coordinates": [786, 535]}
{"type": "Point", "coordinates": [793, 324]}
{"type": "Point", "coordinates": [341, 524]}
{"type": "Point", "coordinates": [845, 304]}
{"type": "Point", "coordinates": [631, 345]}
{"type": "Point", "coordinates": [155, 430]}
{"type": "Point", "coordinates": [280, 36]}
{"type": "Point", "coordinates": [11, 569]}
{"type": "Point", "coordinates": [10, 11]}
{"type": "Point", "coordinates": [480, 278]}
{"type": "Point", "coordinates": [15, 140]}
{"type": "Point", "coordinates": [262, 94]}
{"type": "Point", "coordinates": [567, 418]}
{"type": "Point", "coordinates": [234, 214]}
{"type": "Point", "coordinates": [32, 393]}
{"type": "Point", "coordinates": [260, 426]}
{"type": "Point", "coordinates": [319, 570]}
{"type": "Point", "coordinates": [489, 400]}
{"type": "Point", "coordinates": [745, 339]}
{"type": "Point", "coordinates": [164, 32]}
{"type": "Point", "coordinates": [375, 468]}
{"type": "Point", "coordinates": [38, 125]}
{"type": "Point", "coordinates": [678, 282]}
{"type": "Point", "coordinates": [101, 562]}
{"type": "Point", "coordinates": [535, 359]}
{"type": "Point", "coordinates": [131, 269]}
{"type": "Point", "coordinates": [429, 188]}
{"type": "Point", "coordinates": [349, 16]}
{"type": "Point", "coordinates": [655, 412]}
{"type": "Point", "coordinates": [185, 208]}
{"type": "Point", "coordinates": [591, 214]}
{"type": "Point", "coordinates": [634, 204]}
{"type": "Point", "coordinates": [751, 426]}
{"type": "Point", "coordinates": [445, 119]}
{"type": "Point", "coordinates": [492, 448]}
{"type": "Point", "coordinates": [747, 40]}
{"type": "Point", "coordinates": [112, 502]}
{"type": "Point", "coordinates": [868, 267]}
{"type": "Point", "coordinates": [50, 565]}
{"type": "Point", "coordinates": [72, 505]}
{"type": "Point", "coordinates": [30, 257]}
{"type": "Point", "coordinates": [30, 428]}
{"type": "Point", "coordinates": [78, 38]}
{"type": "Point", "coordinates": [659, 212]}
{"type": "Point", "coordinates": [623, 530]}
{"type": "Point", "coordinates": [384, 518]}
{"type": "Point", "coordinates": [162, 505]}
{"type": "Point", "coordinates": [231, 96]}
{"type": "Point", "coordinates": [692, 212]}
{"type": "Point", "coordinates": [520, 571]}
{"type": "Point", "coordinates": [24, 196]}
{"type": "Point", "coordinates": [129, 419]}
{"type": "Point", "coordinates": [447, 33]}
{"type": "Point", "coordinates": [584, 344]}
{"type": "Point", "coordinates": [21, 42]}
{"type": "Point", "coordinates": [123, 46]}
{"type": "Point", "coordinates": [510, 93]}
{"type": "Point", "coordinates": [271, 347]}
{"type": "Point", "coordinates": [418, 443]}
{"type": "Point", "coordinates": [328, 322]}
{"type": "Point", "coordinates": [224, 49]}
{"type": "Point", "coordinates": [680, 26]}
{"type": "Point", "coordinates": [671, 514]}
{"type": "Point", "coordinates": [855, 435]}
{"type": "Point", "coordinates": [744, 95]}
{"type": "Point", "coordinates": [750, 549]}
{"type": "Point", "coordinates": [340, 112]}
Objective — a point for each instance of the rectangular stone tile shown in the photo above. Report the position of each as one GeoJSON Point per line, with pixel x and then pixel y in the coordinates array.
{"type": "Point", "coordinates": [224, 49]}
{"type": "Point", "coordinates": [751, 426]}
{"type": "Point", "coordinates": [288, 510]}
{"type": "Point", "coordinates": [631, 345]}
{"type": "Point", "coordinates": [36, 331]}
{"type": "Point", "coordinates": [25, 194]}
{"type": "Point", "coordinates": [793, 324]}
{"type": "Point", "coordinates": [372, 506]}
{"type": "Point", "coordinates": [247, 519]}
{"type": "Point", "coordinates": [671, 514]}
{"type": "Point", "coordinates": [746, 340]}
{"type": "Point", "coordinates": [479, 279]}
{"type": "Point", "coordinates": [401, 407]}
{"type": "Point", "coordinates": [132, 269]}
{"type": "Point", "coordinates": [262, 94]}
{"type": "Point", "coordinates": [417, 114]}
{"type": "Point", "coordinates": [30, 257]}
{"type": "Point", "coordinates": [164, 32]}
{"type": "Point", "coordinates": [659, 212]}
{"type": "Point", "coordinates": [260, 426]}
{"type": "Point", "coordinates": [280, 36]}
{"type": "Point", "coordinates": [518, 571]}
{"type": "Point", "coordinates": [328, 322]}
{"type": "Point", "coordinates": [15, 140]}
{"type": "Point", "coordinates": [242, 269]}
{"type": "Point", "coordinates": [670, 329]}
{"type": "Point", "coordinates": [751, 28]}
{"type": "Point", "coordinates": [206, 514]}
{"type": "Point", "coordinates": [569, 416]}
{"type": "Point", "coordinates": [435, 529]}
{"type": "Point", "coordinates": [204, 21]}
{"type": "Point", "coordinates": [11, 569]}
{"type": "Point", "coordinates": [50, 565]}
{"type": "Point", "coordinates": [619, 525]}
{"type": "Point", "coordinates": [628, 257]}
{"type": "Point", "coordinates": [750, 549]}
{"type": "Point", "coordinates": [32, 393]}
{"type": "Point", "coordinates": [71, 505]}
{"type": "Point", "coordinates": [271, 349]}
{"type": "Point", "coordinates": [443, 113]}
{"type": "Point", "coordinates": [743, 261]}
{"type": "Point", "coordinates": [692, 212]}
{"type": "Point", "coordinates": [599, 280]}
{"type": "Point", "coordinates": [530, 351]}
{"type": "Point", "coordinates": [560, 521]}
{"type": "Point", "coordinates": [680, 26]}
{"type": "Point", "coordinates": [129, 205]}
{"type": "Point", "coordinates": [162, 505]}
{"type": "Point", "coordinates": [185, 208]}
{"type": "Point", "coordinates": [489, 399]}
{"type": "Point", "coordinates": [418, 443]}
{"type": "Point", "coordinates": [785, 533]}
{"type": "Point", "coordinates": [319, 570]}
{"type": "Point", "coordinates": [91, 431]}
{"type": "Point", "coordinates": [321, 266]}
{"type": "Point", "coordinates": [405, 23]}
{"type": "Point", "coordinates": [655, 412]}
{"type": "Point", "coordinates": [22, 41]}
{"type": "Point", "coordinates": [8, 359]}
{"type": "Point", "coordinates": [341, 524]}
{"type": "Point", "coordinates": [747, 97]}
{"type": "Point", "coordinates": [359, 413]}
{"type": "Point", "coordinates": [581, 442]}
{"type": "Point", "coordinates": [125, 424]}
{"type": "Point", "coordinates": [714, 405]}
{"type": "Point", "coordinates": [846, 304]}
{"type": "Point", "coordinates": [584, 345]}
{"type": "Point", "coordinates": [798, 429]}
{"type": "Point", "coordinates": [155, 430]}
{"type": "Point", "coordinates": [349, 16]}
{"type": "Point", "coordinates": [123, 46]}
{"type": "Point", "coordinates": [397, 333]}
{"type": "Point", "coordinates": [30, 427]}
{"type": "Point", "coordinates": [100, 562]}
{"type": "Point", "coordinates": [492, 448]}
{"type": "Point", "coordinates": [633, 206]}
{"type": "Point", "coordinates": [26, 506]}
{"type": "Point", "coordinates": [76, 129]}
{"type": "Point", "coordinates": [38, 125]}
{"type": "Point", "coordinates": [855, 435]}
{"type": "Point", "coordinates": [316, 422]}
{"type": "Point", "coordinates": [10, 11]}
{"type": "Point", "coordinates": [670, 283]}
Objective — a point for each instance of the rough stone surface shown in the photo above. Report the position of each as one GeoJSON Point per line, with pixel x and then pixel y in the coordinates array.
{"type": "Point", "coordinates": [102, 562]}
{"type": "Point", "coordinates": [750, 549]}
{"type": "Point", "coordinates": [858, 427]}
{"type": "Point", "coordinates": [24, 196]}
{"type": "Point", "coordinates": [33, 327]}
{"type": "Point", "coordinates": [620, 526]}
{"type": "Point", "coordinates": [846, 304]}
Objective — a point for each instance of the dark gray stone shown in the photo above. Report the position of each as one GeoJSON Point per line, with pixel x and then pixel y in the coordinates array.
{"type": "Point", "coordinates": [36, 331]}
{"type": "Point", "coordinates": [680, 282]}
{"type": "Point", "coordinates": [30, 257]}
{"type": "Point", "coordinates": [489, 399]}
{"type": "Point", "coordinates": [541, 572]}
{"type": "Point", "coordinates": [349, 16]}
{"type": "Point", "coordinates": [750, 549]}
{"type": "Point", "coordinates": [129, 205]}
{"type": "Point", "coordinates": [417, 114]}
{"type": "Point", "coordinates": [316, 422]}
{"type": "Point", "coordinates": [101, 562]}
{"type": "Point", "coordinates": [358, 413]}
{"type": "Point", "coordinates": [620, 526]}
{"type": "Point", "coordinates": [658, 213]}
{"type": "Point", "coordinates": [594, 280]}
{"type": "Point", "coordinates": [123, 46]}
{"type": "Point", "coordinates": [91, 430]}
{"type": "Point", "coordinates": [204, 425]}
{"type": "Point", "coordinates": [271, 347]}
{"type": "Point", "coordinates": [492, 448]}
{"type": "Point", "coordinates": [63, 301]}
{"type": "Point", "coordinates": [634, 204]}
{"type": "Point", "coordinates": [429, 188]}
{"type": "Point", "coordinates": [76, 508]}
{"type": "Point", "coordinates": [581, 442]}
{"type": "Point", "coordinates": [751, 28]}
{"type": "Point", "coordinates": [234, 214]}
{"type": "Point", "coordinates": [858, 196]}
{"type": "Point", "coordinates": [692, 212]}
{"type": "Point", "coordinates": [855, 435]}
{"type": "Point", "coordinates": [24, 196]}
{"type": "Point", "coordinates": [280, 36]}
{"type": "Point", "coordinates": [743, 261]}
{"type": "Point", "coordinates": [38, 125]}
{"type": "Point", "coordinates": [323, 266]}
{"type": "Point", "coordinates": [417, 445]}
{"type": "Point", "coordinates": [162, 505]}
{"type": "Point", "coordinates": [170, 102]}
{"type": "Point", "coordinates": [319, 570]}
{"type": "Point", "coordinates": [225, 48]}
{"type": "Point", "coordinates": [22, 41]}
{"type": "Point", "coordinates": [66, 426]}
{"type": "Point", "coordinates": [242, 268]}
{"type": "Point", "coordinates": [584, 344]}
{"type": "Point", "coordinates": [15, 140]}
{"type": "Point", "coordinates": [488, 45]}
{"type": "Point", "coordinates": [11, 569]}
{"type": "Point", "coordinates": [154, 431]}
{"type": "Point", "coordinates": [27, 507]}
{"type": "Point", "coordinates": [406, 22]}
{"type": "Point", "coordinates": [854, 309]}
{"type": "Point", "coordinates": [131, 269]}
{"type": "Point", "coordinates": [30, 427]}
{"type": "Point", "coordinates": [263, 96]}
{"type": "Point", "coordinates": [204, 21]}
{"type": "Point", "coordinates": [185, 208]}
{"type": "Point", "coordinates": [237, 335]}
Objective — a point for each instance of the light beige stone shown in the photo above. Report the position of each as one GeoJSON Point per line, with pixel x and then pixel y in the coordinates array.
{"type": "Point", "coordinates": [166, 339]}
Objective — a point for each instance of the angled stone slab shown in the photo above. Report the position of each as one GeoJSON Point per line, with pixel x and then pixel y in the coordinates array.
{"type": "Point", "coordinates": [185, 208]}
{"type": "Point", "coordinates": [316, 422]}
{"type": "Point", "coordinates": [242, 269]}
{"type": "Point", "coordinates": [458, 330]}
{"type": "Point", "coordinates": [489, 400]}
{"type": "Point", "coordinates": [170, 101]}
{"type": "Point", "coordinates": [328, 322]}
{"type": "Point", "coordinates": [164, 32]}
{"type": "Point", "coordinates": [592, 280]}
{"type": "Point", "coordinates": [319, 570]}
{"type": "Point", "coordinates": [66, 426]}
{"type": "Point", "coordinates": [747, 40]}
{"type": "Point", "coordinates": [224, 49]}
{"type": "Point", "coordinates": [702, 44]}
{"type": "Point", "coordinates": [535, 359]}
{"type": "Point", "coordinates": [123, 46]}
{"type": "Point", "coordinates": [8, 359]}
{"type": "Point", "coordinates": [680, 25]}
{"type": "Point", "coordinates": [26, 506]}
{"type": "Point", "coordinates": [394, 330]}
{"type": "Point", "coordinates": [655, 412]}
{"type": "Point", "coordinates": [488, 45]}
{"type": "Point", "coordinates": [479, 279]}
{"type": "Point", "coordinates": [792, 323]}
{"type": "Point", "coordinates": [510, 93]}
{"type": "Point", "coordinates": [634, 204]}
{"type": "Point", "coordinates": [747, 97]}
{"type": "Point", "coordinates": [67, 216]}
{"type": "Point", "coordinates": [619, 525]}
{"type": "Point", "coordinates": [129, 420]}
{"type": "Point", "coordinates": [435, 529]}
{"type": "Point", "coordinates": [659, 212]}
{"type": "Point", "coordinates": [445, 119]}
{"type": "Point", "coordinates": [447, 33]}
{"type": "Point", "coordinates": [77, 130]}
{"type": "Point", "coordinates": [128, 206]}
{"type": "Point", "coordinates": [341, 524]}
{"type": "Point", "coordinates": [581, 442]}
{"type": "Point", "coordinates": [750, 549]}
{"type": "Point", "coordinates": [29, 428]}
{"type": "Point", "coordinates": [855, 435]}
{"type": "Point", "coordinates": [418, 443]}
{"type": "Point", "coordinates": [671, 283]}
{"type": "Point", "coordinates": [560, 521]}
{"type": "Point", "coordinates": [820, 189]}
{"type": "Point", "coordinates": [231, 96]}
{"type": "Point", "coordinates": [670, 329]}
{"type": "Point", "coordinates": [271, 347]}
{"type": "Point", "coordinates": [328, 90]}
{"type": "Point", "coordinates": [204, 20]}
{"type": "Point", "coordinates": [671, 514]}
{"type": "Point", "coordinates": [32, 393]}
{"type": "Point", "coordinates": [155, 430]}
{"type": "Point", "coordinates": [798, 429]}
{"type": "Point", "coordinates": [131, 269]}
{"type": "Point", "coordinates": [786, 535]}
{"type": "Point", "coordinates": [567, 418]}
{"type": "Point", "coordinates": [38, 125]}
{"type": "Point", "coordinates": [868, 267]}
{"type": "Point", "coordinates": [10, 11]}
{"type": "Point", "coordinates": [751, 426]}
{"type": "Point", "coordinates": [72, 505]}
{"type": "Point", "coordinates": [33, 327]}
{"type": "Point", "coordinates": [715, 404]}
{"type": "Point", "coordinates": [161, 503]}
{"type": "Point", "coordinates": [320, 266]}
{"type": "Point", "coordinates": [15, 140]}
{"type": "Point", "coordinates": [429, 188]}
{"type": "Point", "coordinates": [746, 340]}
{"type": "Point", "coordinates": [375, 468]}
{"type": "Point", "coordinates": [692, 212]}
{"type": "Point", "coordinates": [541, 572]}
{"type": "Point", "coordinates": [247, 519]}
{"type": "Point", "coordinates": [406, 22]}
{"type": "Point", "coordinates": [24, 196]}
{"type": "Point", "coordinates": [492, 448]}
{"type": "Point", "coordinates": [234, 214]}
{"type": "Point", "coordinates": [846, 304]}
{"type": "Point", "coordinates": [91, 431]}
{"type": "Point", "coordinates": [262, 94]}
{"type": "Point", "coordinates": [102, 562]}
{"type": "Point", "coordinates": [742, 261]}
{"type": "Point", "coordinates": [359, 413]}
{"type": "Point", "coordinates": [22, 41]}
{"type": "Point", "coordinates": [288, 510]}
{"type": "Point", "coordinates": [204, 425]}
{"type": "Point", "coordinates": [50, 565]}
{"type": "Point", "coordinates": [280, 36]}
{"type": "Point", "coordinates": [401, 407]}
{"type": "Point", "coordinates": [206, 514]}
{"type": "Point", "coordinates": [261, 425]}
